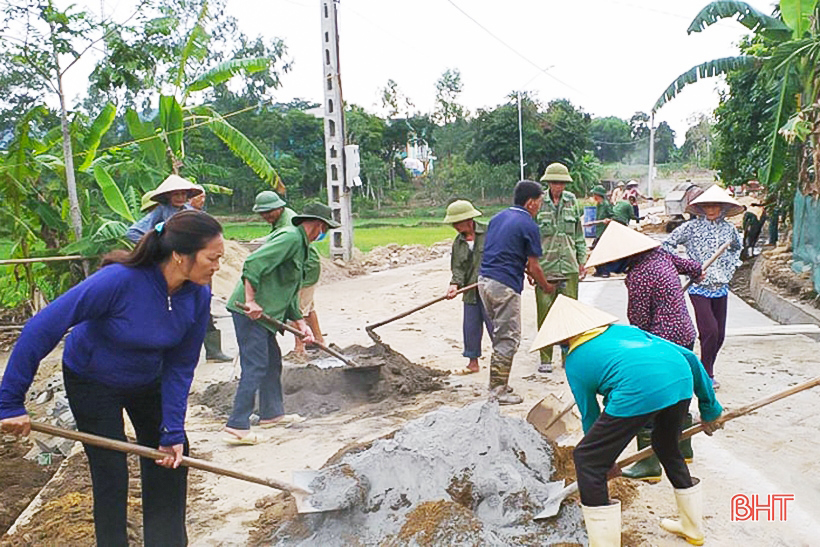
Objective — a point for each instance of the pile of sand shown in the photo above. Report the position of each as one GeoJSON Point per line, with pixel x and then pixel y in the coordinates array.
{"type": "Point", "coordinates": [230, 269]}
{"type": "Point", "coordinates": [314, 391]}
{"type": "Point", "coordinates": [468, 476]}
{"type": "Point", "coordinates": [395, 256]}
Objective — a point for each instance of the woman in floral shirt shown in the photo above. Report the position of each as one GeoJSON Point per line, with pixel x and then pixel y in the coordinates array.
{"type": "Point", "coordinates": [701, 237]}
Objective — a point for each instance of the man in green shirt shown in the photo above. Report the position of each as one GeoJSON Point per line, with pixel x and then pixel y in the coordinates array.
{"type": "Point", "coordinates": [271, 278]}
{"type": "Point", "coordinates": [563, 244]}
{"type": "Point", "coordinates": [272, 209]}
{"type": "Point", "coordinates": [603, 211]}
{"type": "Point", "coordinates": [465, 261]}
{"type": "Point", "coordinates": [623, 212]}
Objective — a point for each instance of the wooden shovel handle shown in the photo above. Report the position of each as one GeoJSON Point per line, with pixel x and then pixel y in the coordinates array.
{"type": "Point", "coordinates": [420, 307]}
{"type": "Point", "coordinates": [726, 416]}
{"type": "Point", "coordinates": [708, 263]}
{"type": "Point", "coordinates": [154, 454]}
{"type": "Point", "coordinates": [296, 332]}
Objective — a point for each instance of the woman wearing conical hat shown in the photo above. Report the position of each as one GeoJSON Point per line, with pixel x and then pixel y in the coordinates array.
{"type": "Point", "coordinates": [643, 379]}
{"type": "Point", "coordinates": [655, 304]}
{"type": "Point", "coordinates": [171, 197]}
{"type": "Point", "coordinates": [701, 237]}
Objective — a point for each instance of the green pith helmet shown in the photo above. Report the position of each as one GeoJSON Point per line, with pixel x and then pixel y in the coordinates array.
{"type": "Point", "coordinates": [267, 200]}
{"type": "Point", "coordinates": [556, 172]}
{"type": "Point", "coordinates": [317, 211]}
{"type": "Point", "coordinates": [459, 210]}
{"type": "Point", "coordinates": [599, 190]}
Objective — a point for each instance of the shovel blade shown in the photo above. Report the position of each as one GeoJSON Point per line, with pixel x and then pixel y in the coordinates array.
{"type": "Point", "coordinates": [302, 479]}
{"type": "Point", "coordinates": [554, 501]}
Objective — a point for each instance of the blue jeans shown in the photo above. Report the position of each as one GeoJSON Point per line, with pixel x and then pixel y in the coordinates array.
{"type": "Point", "coordinates": [475, 319]}
{"type": "Point", "coordinates": [261, 362]}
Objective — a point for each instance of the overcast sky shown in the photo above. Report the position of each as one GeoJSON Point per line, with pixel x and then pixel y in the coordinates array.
{"type": "Point", "coordinates": [609, 57]}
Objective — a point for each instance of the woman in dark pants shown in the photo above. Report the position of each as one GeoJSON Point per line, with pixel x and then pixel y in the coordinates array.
{"type": "Point", "coordinates": [138, 326]}
{"type": "Point", "coordinates": [642, 379]}
{"type": "Point", "coordinates": [702, 236]}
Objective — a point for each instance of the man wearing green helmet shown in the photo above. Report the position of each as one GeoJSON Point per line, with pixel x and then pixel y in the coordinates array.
{"type": "Point", "coordinates": [563, 245]}
{"type": "Point", "coordinates": [603, 212]}
{"type": "Point", "coordinates": [465, 261]}
{"type": "Point", "coordinates": [272, 209]}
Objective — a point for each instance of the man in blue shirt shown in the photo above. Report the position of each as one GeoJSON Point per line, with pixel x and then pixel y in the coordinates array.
{"type": "Point", "coordinates": [511, 248]}
{"type": "Point", "coordinates": [642, 378]}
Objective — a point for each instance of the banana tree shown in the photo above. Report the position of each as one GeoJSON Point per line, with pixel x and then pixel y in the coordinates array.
{"type": "Point", "coordinates": [791, 68]}
{"type": "Point", "coordinates": [162, 137]}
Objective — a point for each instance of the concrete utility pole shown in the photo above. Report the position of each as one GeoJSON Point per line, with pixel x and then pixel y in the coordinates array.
{"type": "Point", "coordinates": [338, 192]}
{"type": "Point", "coordinates": [651, 155]}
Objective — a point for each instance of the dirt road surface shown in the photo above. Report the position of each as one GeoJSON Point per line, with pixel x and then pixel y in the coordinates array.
{"type": "Point", "coordinates": [773, 451]}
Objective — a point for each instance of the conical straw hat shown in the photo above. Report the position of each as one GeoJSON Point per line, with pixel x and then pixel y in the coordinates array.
{"type": "Point", "coordinates": [567, 318]}
{"type": "Point", "coordinates": [172, 184]}
{"type": "Point", "coordinates": [717, 195]}
{"type": "Point", "coordinates": [618, 242]}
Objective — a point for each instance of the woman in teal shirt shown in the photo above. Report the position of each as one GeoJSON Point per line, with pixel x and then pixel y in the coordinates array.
{"type": "Point", "coordinates": [642, 378]}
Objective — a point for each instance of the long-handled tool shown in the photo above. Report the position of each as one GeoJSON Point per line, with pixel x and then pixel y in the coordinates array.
{"type": "Point", "coordinates": [279, 325]}
{"type": "Point", "coordinates": [708, 263]}
{"type": "Point", "coordinates": [553, 503]}
{"type": "Point", "coordinates": [375, 337]}
{"type": "Point", "coordinates": [154, 454]}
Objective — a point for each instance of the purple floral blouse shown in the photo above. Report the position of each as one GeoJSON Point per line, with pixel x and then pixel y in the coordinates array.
{"type": "Point", "coordinates": [656, 301]}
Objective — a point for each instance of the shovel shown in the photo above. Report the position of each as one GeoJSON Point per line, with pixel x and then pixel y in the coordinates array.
{"type": "Point", "coordinates": [553, 503]}
{"type": "Point", "coordinates": [279, 325]}
{"type": "Point", "coordinates": [376, 338]}
{"type": "Point", "coordinates": [298, 492]}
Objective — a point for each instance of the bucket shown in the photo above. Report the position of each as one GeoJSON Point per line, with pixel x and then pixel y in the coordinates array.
{"type": "Point", "coordinates": [589, 216]}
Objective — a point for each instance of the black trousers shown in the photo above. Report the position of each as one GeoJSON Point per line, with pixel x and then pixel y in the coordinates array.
{"type": "Point", "coordinates": [608, 437]}
{"type": "Point", "coordinates": [98, 408]}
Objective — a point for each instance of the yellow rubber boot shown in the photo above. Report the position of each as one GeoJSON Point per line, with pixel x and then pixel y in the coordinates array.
{"type": "Point", "coordinates": [690, 508]}
{"type": "Point", "coordinates": [603, 524]}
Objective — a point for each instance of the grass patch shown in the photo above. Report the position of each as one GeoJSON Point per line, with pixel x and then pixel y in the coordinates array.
{"type": "Point", "coordinates": [365, 237]}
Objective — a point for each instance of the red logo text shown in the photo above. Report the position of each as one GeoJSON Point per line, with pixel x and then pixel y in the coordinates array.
{"type": "Point", "coordinates": [765, 508]}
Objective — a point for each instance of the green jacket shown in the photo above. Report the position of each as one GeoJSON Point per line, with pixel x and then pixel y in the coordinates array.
{"type": "Point", "coordinates": [465, 263]}
{"type": "Point", "coordinates": [313, 267]}
{"type": "Point", "coordinates": [623, 212]}
{"type": "Point", "coordinates": [602, 211]}
{"type": "Point", "coordinates": [275, 270]}
{"type": "Point", "coordinates": [562, 235]}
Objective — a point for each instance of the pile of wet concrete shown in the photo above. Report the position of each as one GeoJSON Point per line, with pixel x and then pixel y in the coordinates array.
{"type": "Point", "coordinates": [314, 389]}
{"type": "Point", "coordinates": [468, 476]}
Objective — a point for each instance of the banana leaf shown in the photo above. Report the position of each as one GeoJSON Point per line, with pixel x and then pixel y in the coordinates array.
{"type": "Point", "coordinates": [749, 17]}
{"type": "Point", "coordinates": [225, 71]}
{"type": "Point", "coordinates": [98, 128]}
{"type": "Point", "coordinates": [170, 119]}
{"type": "Point", "coordinates": [148, 140]}
{"type": "Point", "coordinates": [112, 194]}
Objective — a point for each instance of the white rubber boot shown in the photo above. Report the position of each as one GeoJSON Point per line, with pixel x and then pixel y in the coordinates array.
{"type": "Point", "coordinates": [603, 524]}
{"type": "Point", "coordinates": [690, 508]}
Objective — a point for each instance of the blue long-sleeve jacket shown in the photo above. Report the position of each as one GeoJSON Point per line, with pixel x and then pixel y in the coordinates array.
{"type": "Point", "coordinates": [128, 332]}
{"type": "Point", "coordinates": [160, 213]}
{"type": "Point", "coordinates": [637, 373]}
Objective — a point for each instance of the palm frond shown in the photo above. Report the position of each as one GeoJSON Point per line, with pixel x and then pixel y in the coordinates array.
{"type": "Point", "coordinates": [196, 46]}
{"type": "Point", "coordinates": [775, 158]}
{"type": "Point", "coordinates": [148, 140]}
{"type": "Point", "coordinates": [227, 70]}
{"type": "Point", "coordinates": [170, 119]}
{"type": "Point", "coordinates": [98, 128]}
{"type": "Point", "coordinates": [747, 16]}
{"type": "Point", "coordinates": [240, 145]}
{"type": "Point", "coordinates": [705, 70]}
{"type": "Point", "coordinates": [112, 194]}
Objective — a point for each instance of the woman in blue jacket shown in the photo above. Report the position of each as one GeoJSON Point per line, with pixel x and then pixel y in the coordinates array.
{"type": "Point", "coordinates": [138, 326]}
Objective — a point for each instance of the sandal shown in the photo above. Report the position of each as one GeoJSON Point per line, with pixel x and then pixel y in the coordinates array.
{"type": "Point", "coordinates": [250, 439]}
{"type": "Point", "coordinates": [465, 371]}
{"type": "Point", "coordinates": [285, 420]}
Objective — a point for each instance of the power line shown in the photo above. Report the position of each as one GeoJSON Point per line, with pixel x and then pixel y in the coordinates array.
{"type": "Point", "coordinates": [508, 46]}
